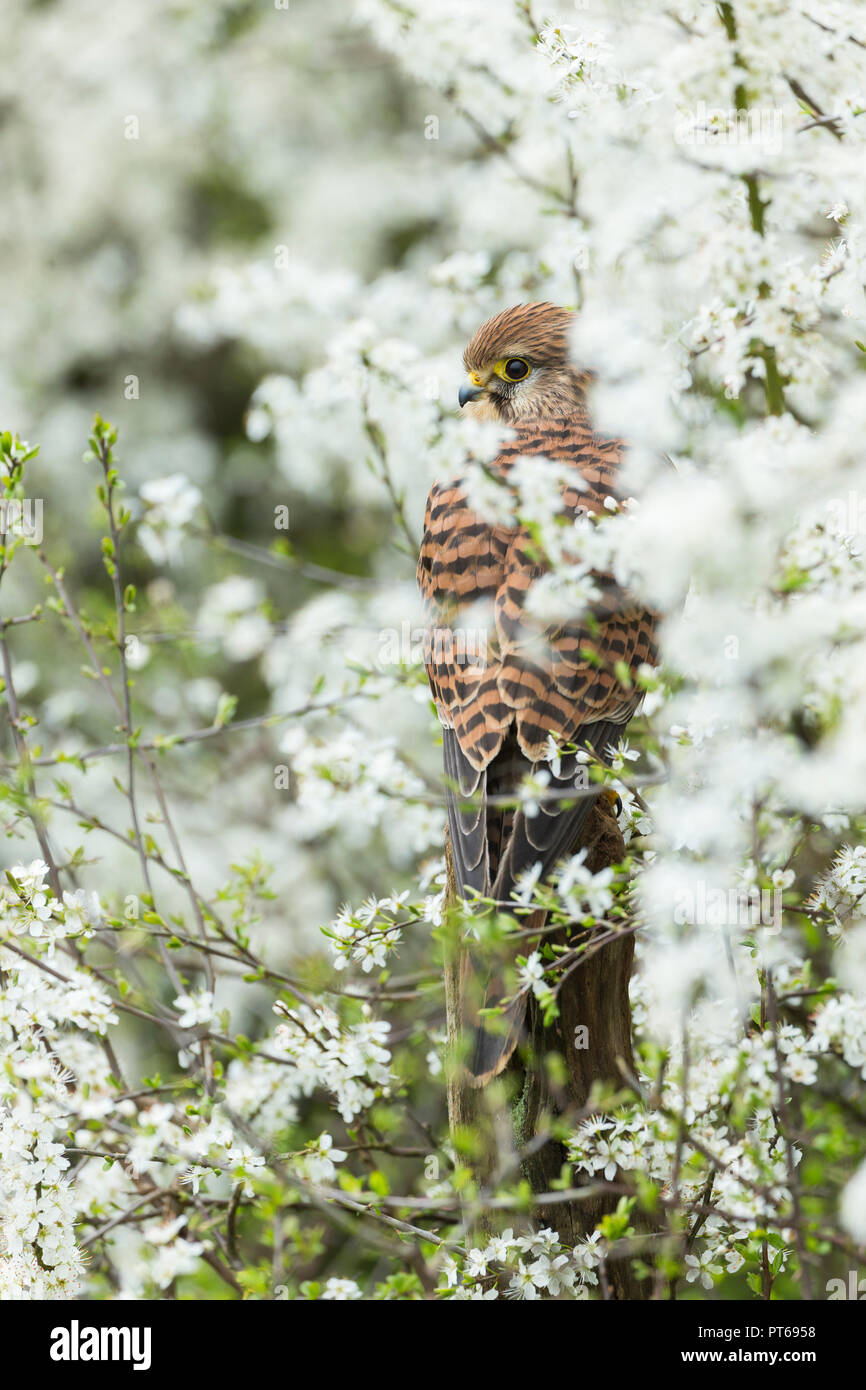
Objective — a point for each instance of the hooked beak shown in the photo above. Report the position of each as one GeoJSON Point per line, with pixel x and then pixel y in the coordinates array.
{"type": "Point", "coordinates": [469, 392]}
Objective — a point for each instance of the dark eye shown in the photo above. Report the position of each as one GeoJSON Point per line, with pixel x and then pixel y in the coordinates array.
{"type": "Point", "coordinates": [516, 369]}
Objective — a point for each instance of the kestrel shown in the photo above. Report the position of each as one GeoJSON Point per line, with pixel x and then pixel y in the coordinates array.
{"type": "Point", "coordinates": [535, 697]}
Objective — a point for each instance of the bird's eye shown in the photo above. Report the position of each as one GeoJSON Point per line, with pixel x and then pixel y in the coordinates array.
{"type": "Point", "coordinates": [515, 369]}
{"type": "Point", "coordinates": [512, 368]}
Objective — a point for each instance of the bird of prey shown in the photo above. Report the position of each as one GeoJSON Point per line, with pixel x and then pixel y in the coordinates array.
{"type": "Point", "coordinates": [569, 686]}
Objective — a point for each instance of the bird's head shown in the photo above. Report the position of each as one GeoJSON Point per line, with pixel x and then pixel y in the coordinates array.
{"type": "Point", "coordinates": [518, 366]}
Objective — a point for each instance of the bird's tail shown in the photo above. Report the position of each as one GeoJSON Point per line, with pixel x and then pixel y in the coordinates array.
{"type": "Point", "coordinates": [492, 1037]}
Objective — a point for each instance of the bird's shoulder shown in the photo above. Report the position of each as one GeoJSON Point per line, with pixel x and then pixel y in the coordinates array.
{"type": "Point", "coordinates": [568, 440]}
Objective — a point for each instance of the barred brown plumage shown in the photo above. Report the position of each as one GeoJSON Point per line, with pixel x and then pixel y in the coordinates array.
{"type": "Point", "coordinates": [501, 700]}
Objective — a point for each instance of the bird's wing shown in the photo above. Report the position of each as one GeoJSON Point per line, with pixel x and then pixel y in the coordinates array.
{"type": "Point", "coordinates": [501, 706]}
{"type": "Point", "coordinates": [460, 572]}
{"type": "Point", "coordinates": [493, 670]}
{"type": "Point", "coordinates": [560, 679]}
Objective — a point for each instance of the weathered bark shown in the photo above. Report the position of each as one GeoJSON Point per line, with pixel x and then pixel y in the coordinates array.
{"type": "Point", "coordinates": [594, 997]}
{"type": "Point", "coordinates": [470, 1118]}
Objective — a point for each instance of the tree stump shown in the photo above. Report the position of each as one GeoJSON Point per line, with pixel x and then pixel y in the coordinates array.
{"type": "Point", "coordinates": [594, 997]}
